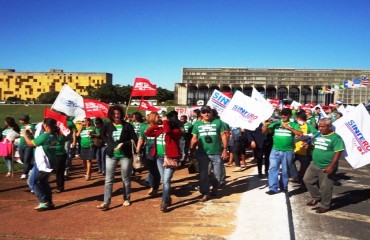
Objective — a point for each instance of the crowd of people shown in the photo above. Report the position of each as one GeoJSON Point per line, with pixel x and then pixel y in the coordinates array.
{"type": "Point", "coordinates": [166, 142]}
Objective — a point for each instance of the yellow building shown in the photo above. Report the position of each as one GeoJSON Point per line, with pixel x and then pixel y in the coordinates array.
{"type": "Point", "coordinates": [29, 85]}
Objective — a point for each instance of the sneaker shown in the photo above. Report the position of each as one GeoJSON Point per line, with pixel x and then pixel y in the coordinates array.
{"type": "Point", "coordinates": [42, 207]}
{"type": "Point", "coordinates": [66, 173]}
{"type": "Point", "coordinates": [164, 207]}
{"type": "Point", "coordinates": [8, 174]}
{"type": "Point", "coordinates": [103, 207]}
{"type": "Point", "coordinates": [19, 161]}
{"type": "Point", "coordinates": [126, 203]}
{"type": "Point", "coordinates": [24, 176]}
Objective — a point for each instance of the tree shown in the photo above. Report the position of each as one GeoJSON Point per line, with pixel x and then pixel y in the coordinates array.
{"type": "Point", "coordinates": [164, 95]}
{"type": "Point", "coordinates": [48, 97]}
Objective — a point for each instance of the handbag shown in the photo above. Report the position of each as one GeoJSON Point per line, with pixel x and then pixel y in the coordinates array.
{"type": "Point", "coordinates": [98, 142]}
{"type": "Point", "coordinates": [137, 162]}
{"type": "Point", "coordinates": [6, 148]}
{"type": "Point", "coordinates": [170, 162]}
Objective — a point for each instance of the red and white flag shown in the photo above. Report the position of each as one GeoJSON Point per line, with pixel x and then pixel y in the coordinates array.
{"type": "Point", "coordinates": [95, 108]}
{"type": "Point", "coordinates": [143, 88]}
{"type": "Point", "coordinates": [60, 118]}
{"type": "Point", "coordinates": [145, 105]}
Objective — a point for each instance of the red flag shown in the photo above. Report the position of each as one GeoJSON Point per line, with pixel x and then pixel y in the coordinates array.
{"type": "Point", "coordinates": [143, 88]}
{"type": "Point", "coordinates": [60, 118]}
{"type": "Point", "coordinates": [145, 105]}
{"type": "Point", "coordinates": [95, 108]}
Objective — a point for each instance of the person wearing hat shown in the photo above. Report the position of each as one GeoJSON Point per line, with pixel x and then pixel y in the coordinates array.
{"type": "Point", "coordinates": [25, 151]}
{"type": "Point", "coordinates": [209, 135]}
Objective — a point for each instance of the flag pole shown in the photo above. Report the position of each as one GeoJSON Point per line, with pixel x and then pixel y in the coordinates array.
{"type": "Point", "coordinates": [128, 104]}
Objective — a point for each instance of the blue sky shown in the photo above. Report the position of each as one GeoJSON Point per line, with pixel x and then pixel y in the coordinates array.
{"type": "Point", "coordinates": [156, 39]}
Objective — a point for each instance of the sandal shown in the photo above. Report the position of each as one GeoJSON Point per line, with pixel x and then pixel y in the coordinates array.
{"type": "Point", "coordinates": [228, 164]}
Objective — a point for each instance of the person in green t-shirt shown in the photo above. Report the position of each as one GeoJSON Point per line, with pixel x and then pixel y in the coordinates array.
{"type": "Point", "coordinates": [283, 132]}
{"type": "Point", "coordinates": [88, 150]}
{"type": "Point", "coordinates": [328, 148]}
{"type": "Point", "coordinates": [185, 140]}
{"type": "Point", "coordinates": [209, 135]}
{"type": "Point", "coordinates": [25, 151]}
{"type": "Point", "coordinates": [41, 172]}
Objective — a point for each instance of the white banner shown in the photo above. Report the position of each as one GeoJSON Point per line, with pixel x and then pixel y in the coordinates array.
{"type": "Point", "coordinates": [355, 132]}
{"type": "Point", "coordinates": [218, 101]}
{"type": "Point", "coordinates": [69, 102]}
{"type": "Point", "coordinates": [245, 112]}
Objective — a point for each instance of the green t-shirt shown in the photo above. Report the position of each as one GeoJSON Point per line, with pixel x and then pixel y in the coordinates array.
{"type": "Point", "coordinates": [137, 126]}
{"type": "Point", "coordinates": [48, 143]}
{"type": "Point", "coordinates": [72, 128]}
{"type": "Point", "coordinates": [325, 147]}
{"type": "Point", "coordinates": [149, 141]}
{"type": "Point", "coordinates": [87, 141]}
{"type": "Point", "coordinates": [60, 150]}
{"type": "Point", "coordinates": [211, 130]}
{"type": "Point", "coordinates": [116, 136]}
{"type": "Point", "coordinates": [22, 141]}
{"type": "Point", "coordinates": [160, 145]}
{"type": "Point", "coordinates": [283, 138]}
{"type": "Point", "coordinates": [186, 127]}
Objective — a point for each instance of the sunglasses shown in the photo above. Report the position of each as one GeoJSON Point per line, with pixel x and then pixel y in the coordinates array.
{"type": "Point", "coordinates": [204, 112]}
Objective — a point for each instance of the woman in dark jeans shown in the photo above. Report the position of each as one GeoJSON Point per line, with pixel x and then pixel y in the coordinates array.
{"type": "Point", "coordinates": [42, 169]}
{"type": "Point", "coordinates": [25, 151]}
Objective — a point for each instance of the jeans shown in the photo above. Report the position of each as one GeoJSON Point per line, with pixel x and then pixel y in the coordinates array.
{"type": "Point", "coordinates": [293, 172]}
{"type": "Point", "coordinates": [154, 176]}
{"type": "Point", "coordinates": [126, 170]}
{"type": "Point", "coordinates": [237, 149]}
{"type": "Point", "coordinates": [60, 167]}
{"type": "Point", "coordinates": [26, 155]}
{"type": "Point", "coordinates": [305, 161]}
{"type": "Point", "coordinates": [204, 181]}
{"type": "Point", "coordinates": [166, 176]}
{"type": "Point", "coordinates": [100, 158]}
{"type": "Point", "coordinates": [8, 163]}
{"type": "Point", "coordinates": [319, 185]}
{"type": "Point", "coordinates": [258, 155]}
{"type": "Point", "coordinates": [70, 153]}
{"type": "Point", "coordinates": [42, 188]}
{"type": "Point", "coordinates": [277, 159]}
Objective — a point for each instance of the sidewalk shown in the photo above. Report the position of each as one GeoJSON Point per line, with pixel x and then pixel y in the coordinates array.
{"type": "Point", "coordinates": [241, 211]}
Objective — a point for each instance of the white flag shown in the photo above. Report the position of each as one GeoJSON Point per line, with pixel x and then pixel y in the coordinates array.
{"type": "Point", "coordinates": [218, 101]}
{"type": "Point", "coordinates": [245, 112]}
{"type": "Point", "coordinates": [355, 132]}
{"type": "Point", "coordinates": [69, 102]}
{"type": "Point", "coordinates": [295, 104]}
{"type": "Point", "coordinates": [257, 96]}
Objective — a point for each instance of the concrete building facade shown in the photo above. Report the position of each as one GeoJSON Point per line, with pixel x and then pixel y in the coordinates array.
{"type": "Point", "coordinates": [29, 85]}
{"type": "Point", "coordinates": [301, 85]}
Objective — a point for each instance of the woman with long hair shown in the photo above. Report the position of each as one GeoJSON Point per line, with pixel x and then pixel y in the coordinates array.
{"type": "Point", "coordinates": [118, 134]}
{"type": "Point", "coordinates": [44, 162]}
{"type": "Point", "coordinates": [167, 144]}
{"type": "Point", "coordinates": [10, 125]}
{"type": "Point", "coordinates": [154, 176]}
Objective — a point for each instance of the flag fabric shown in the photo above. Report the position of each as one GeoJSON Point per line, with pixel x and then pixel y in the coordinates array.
{"type": "Point", "coordinates": [69, 102]}
{"type": "Point", "coordinates": [274, 102]}
{"type": "Point", "coordinates": [143, 88]}
{"type": "Point", "coordinates": [245, 112]}
{"type": "Point", "coordinates": [257, 96]}
{"type": "Point", "coordinates": [95, 108]}
{"type": "Point", "coordinates": [350, 84]}
{"type": "Point", "coordinates": [145, 106]}
{"type": "Point", "coordinates": [357, 83]}
{"type": "Point", "coordinates": [218, 101]}
{"type": "Point", "coordinates": [354, 130]}
{"type": "Point", "coordinates": [60, 118]}
{"type": "Point", "coordinates": [365, 81]}
{"type": "Point", "coordinates": [295, 104]}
